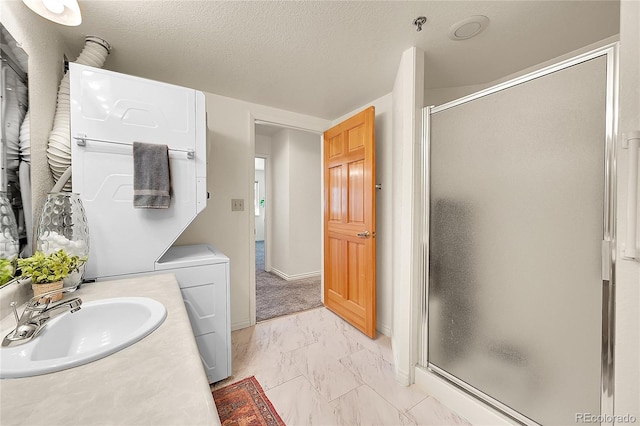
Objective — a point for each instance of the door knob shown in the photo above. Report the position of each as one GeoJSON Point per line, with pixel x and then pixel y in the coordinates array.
{"type": "Point", "coordinates": [364, 234]}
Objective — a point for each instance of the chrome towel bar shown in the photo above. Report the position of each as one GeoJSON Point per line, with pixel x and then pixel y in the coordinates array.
{"type": "Point", "coordinates": [81, 140]}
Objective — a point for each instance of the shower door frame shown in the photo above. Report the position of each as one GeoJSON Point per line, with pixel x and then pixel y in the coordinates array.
{"type": "Point", "coordinates": [610, 52]}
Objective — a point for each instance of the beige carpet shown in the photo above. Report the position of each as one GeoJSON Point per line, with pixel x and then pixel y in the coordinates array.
{"type": "Point", "coordinates": [276, 297]}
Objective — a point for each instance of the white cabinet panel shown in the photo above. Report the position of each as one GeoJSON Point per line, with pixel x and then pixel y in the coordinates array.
{"type": "Point", "coordinates": [205, 291]}
{"type": "Point", "coordinates": [206, 307]}
{"type": "Point", "coordinates": [201, 275]}
{"type": "Point", "coordinates": [214, 357]}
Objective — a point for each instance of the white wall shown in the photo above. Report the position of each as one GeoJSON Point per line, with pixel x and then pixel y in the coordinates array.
{"type": "Point", "coordinates": [297, 215]}
{"type": "Point", "coordinates": [261, 179]}
{"type": "Point", "coordinates": [280, 207]}
{"type": "Point", "coordinates": [305, 204]}
{"type": "Point", "coordinates": [42, 42]}
{"type": "Point", "coordinates": [407, 101]}
{"type": "Point", "coordinates": [231, 168]}
{"type": "Point", "coordinates": [384, 210]}
{"type": "Point", "coordinates": [263, 145]}
{"type": "Point", "coordinates": [439, 96]}
{"type": "Point", "coordinates": [627, 331]}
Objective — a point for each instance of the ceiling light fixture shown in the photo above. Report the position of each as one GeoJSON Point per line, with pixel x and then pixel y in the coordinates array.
{"type": "Point", "coordinates": [468, 28]}
{"type": "Point", "coordinates": [64, 12]}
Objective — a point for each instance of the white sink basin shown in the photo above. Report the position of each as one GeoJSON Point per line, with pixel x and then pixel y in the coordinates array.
{"type": "Point", "coordinates": [99, 329]}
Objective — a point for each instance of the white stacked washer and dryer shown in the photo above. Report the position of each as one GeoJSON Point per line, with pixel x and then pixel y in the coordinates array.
{"type": "Point", "coordinates": [110, 111]}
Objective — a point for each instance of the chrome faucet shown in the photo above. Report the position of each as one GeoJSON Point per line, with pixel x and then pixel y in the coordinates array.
{"type": "Point", "coordinates": [38, 311]}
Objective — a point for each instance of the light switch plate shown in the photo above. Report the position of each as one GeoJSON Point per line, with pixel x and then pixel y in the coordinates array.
{"type": "Point", "coordinates": [237, 205]}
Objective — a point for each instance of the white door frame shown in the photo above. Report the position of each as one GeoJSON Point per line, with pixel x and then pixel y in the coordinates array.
{"type": "Point", "coordinates": [291, 121]}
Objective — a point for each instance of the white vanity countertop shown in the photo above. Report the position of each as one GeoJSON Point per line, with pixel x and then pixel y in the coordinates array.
{"type": "Point", "coordinates": [156, 381]}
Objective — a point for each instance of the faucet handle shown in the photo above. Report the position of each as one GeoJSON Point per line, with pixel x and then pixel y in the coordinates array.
{"type": "Point", "coordinates": [42, 301]}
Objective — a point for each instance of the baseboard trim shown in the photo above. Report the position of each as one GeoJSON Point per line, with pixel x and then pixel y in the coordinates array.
{"type": "Point", "coordinates": [287, 277]}
{"type": "Point", "coordinates": [240, 325]}
{"type": "Point", "coordinates": [402, 377]}
{"type": "Point", "coordinates": [384, 329]}
{"type": "Point", "coordinates": [463, 404]}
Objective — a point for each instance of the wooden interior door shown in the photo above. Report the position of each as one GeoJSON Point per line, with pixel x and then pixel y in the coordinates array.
{"type": "Point", "coordinates": [350, 221]}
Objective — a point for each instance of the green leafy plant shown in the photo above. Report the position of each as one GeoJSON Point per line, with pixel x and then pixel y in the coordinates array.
{"type": "Point", "coordinates": [43, 268]}
{"type": "Point", "coordinates": [7, 268]}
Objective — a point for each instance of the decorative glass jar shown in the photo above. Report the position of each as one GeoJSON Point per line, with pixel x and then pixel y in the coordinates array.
{"type": "Point", "coordinates": [63, 225]}
{"type": "Point", "coordinates": [9, 241]}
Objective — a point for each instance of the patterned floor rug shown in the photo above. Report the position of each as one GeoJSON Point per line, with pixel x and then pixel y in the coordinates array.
{"type": "Point", "coordinates": [244, 404]}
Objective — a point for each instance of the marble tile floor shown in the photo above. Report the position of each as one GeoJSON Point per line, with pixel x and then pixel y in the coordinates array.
{"type": "Point", "coordinates": [318, 370]}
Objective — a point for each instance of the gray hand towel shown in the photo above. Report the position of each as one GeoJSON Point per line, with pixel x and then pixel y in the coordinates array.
{"type": "Point", "coordinates": [151, 176]}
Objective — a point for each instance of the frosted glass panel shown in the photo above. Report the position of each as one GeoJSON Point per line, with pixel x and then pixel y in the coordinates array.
{"type": "Point", "coordinates": [516, 223]}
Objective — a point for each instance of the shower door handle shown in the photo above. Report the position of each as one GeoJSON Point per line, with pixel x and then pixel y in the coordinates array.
{"type": "Point", "coordinates": [631, 249]}
{"type": "Point", "coordinates": [365, 234]}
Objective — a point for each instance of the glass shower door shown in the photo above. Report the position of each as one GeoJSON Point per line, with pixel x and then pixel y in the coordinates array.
{"type": "Point", "coordinates": [517, 184]}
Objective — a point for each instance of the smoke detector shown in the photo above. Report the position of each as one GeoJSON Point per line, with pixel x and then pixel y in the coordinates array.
{"type": "Point", "coordinates": [468, 28]}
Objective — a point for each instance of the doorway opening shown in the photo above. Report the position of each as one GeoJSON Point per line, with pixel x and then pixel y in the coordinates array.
{"type": "Point", "coordinates": [259, 204]}
{"type": "Point", "coordinates": [288, 221]}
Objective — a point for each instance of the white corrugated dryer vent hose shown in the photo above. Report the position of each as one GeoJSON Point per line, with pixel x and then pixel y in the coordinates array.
{"type": "Point", "coordinates": [94, 54]}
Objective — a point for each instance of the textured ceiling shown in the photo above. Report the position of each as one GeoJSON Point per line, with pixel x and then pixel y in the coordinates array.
{"type": "Point", "coordinates": [326, 58]}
